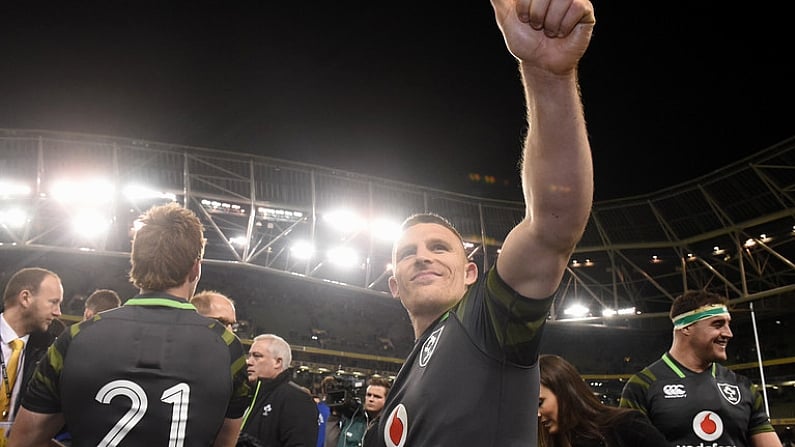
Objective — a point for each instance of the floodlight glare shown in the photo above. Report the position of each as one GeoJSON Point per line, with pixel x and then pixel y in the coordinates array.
{"type": "Point", "coordinates": [343, 257]}
{"type": "Point", "coordinates": [139, 192]}
{"type": "Point", "coordinates": [607, 312]}
{"type": "Point", "coordinates": [386, 230]}
{"type": "Point", "coordinates": [13, 189]}
{"type": "Point", "coordinates": [576, 310]}
{"type": "Point", "coordinates": [92, 191]}
{"type": "Point", "coordinates": [13, 218]}
{"type": "Point", "coordinates": [238, 240]}
{"type": "Point", "coordinates": [302, 250]}
{"type": "Point", "coordinates": [90, 224]}
{"type": "Point", "coordinates": [345, 221]}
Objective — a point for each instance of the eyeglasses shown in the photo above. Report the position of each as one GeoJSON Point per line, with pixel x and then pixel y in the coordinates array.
{"type": "Point", "coordinates": [231, 325]}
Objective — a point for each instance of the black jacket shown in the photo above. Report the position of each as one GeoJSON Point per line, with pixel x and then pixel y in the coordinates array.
{"type": "Point", "coordinates": [283, 414]}
{"type": "Point", "coordinates": [35, 348]}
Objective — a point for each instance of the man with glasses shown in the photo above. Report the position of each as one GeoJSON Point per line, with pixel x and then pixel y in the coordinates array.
{"type": "Point", "coordinates": [216, 305]}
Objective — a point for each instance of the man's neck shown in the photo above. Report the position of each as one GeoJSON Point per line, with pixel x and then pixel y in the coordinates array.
{"type": "Point", "coordinates": [689, 359]}
{"type": "Point", "coordinates": [14, 319]}
{"type": "Point", "coordinates": [183, 291]}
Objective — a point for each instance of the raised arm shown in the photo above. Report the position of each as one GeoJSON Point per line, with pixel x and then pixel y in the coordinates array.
{"type": "Point", "coordinates": [548, 38]}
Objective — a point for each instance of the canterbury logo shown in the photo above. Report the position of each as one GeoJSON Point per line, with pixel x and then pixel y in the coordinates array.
{"type": "Point", "coordinates": [674, 391]}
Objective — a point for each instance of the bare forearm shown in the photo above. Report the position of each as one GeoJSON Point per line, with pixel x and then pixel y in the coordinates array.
{"type": "Point", "coordinates": [769, 439]}
{"type": "Point", "coordinates": [557, 168]}
{"type": "Point", "coordinates": [34, 429]}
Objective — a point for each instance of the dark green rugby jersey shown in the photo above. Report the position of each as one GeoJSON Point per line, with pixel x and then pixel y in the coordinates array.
{"type": "Point", "coordinates": [472, 378]}
{"type": "Point", "coordinates": [152, 372]}
{"type": "Point", "coordinates": [713, 408]}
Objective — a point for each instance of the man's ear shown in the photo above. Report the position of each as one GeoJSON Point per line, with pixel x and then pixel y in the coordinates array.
{"type": "Point", "coordinates": [393, 287]}
{"type": "Point", "coordinates": [195, 271]}
{"type": "Point", "coordinates": [25, 298]}
{"type": "Point", "coordinates": [470, 273]}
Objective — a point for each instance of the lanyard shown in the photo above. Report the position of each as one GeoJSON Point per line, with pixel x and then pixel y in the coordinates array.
{"type": "Point", "coordinates": [5, 380]}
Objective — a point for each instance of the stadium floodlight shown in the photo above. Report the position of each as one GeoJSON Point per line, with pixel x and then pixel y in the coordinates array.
{"type": "Point", "coordinates": [576, 311]}
{"type": "Point", "coordinates": [215, 206]}
{"type": "Point", "coordinates": [90, 224]}
{"type": "Point", "coordinates": [345, 221]}
{"type": "Point", "coordinates": [278, 214]}
{"type": "Point", "coordinates": [13, 218]}
{"type": "Point", "coordinates": [134, 192]}
{"type": "Point", "coordinates": [343, 257]}
{"type": "Point", "coordinates": [302, 250]}
{"type": "Point", "coordinates": [238, 241]}
{"type": "Point", "coordinates": [93, 191]}
{"type": "Point", "coordinates": [10, 189]}
{"type": "Point", "coordinates": [607, 312]}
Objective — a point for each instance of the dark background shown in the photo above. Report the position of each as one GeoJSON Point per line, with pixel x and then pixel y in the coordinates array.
{"type": "Point", "coordinates": [422, 92]}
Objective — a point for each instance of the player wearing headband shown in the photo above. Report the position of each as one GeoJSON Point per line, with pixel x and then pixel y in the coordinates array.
{"type": "Point", "coordinates": [688, 395]}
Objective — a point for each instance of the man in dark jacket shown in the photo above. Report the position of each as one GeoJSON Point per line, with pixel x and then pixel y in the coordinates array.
{"type": "Point", "coordinates": [32, 301]}
{"type": "Point", "coordinates": [281, 413]}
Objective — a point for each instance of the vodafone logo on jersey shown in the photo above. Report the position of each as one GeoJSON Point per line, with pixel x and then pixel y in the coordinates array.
{"type": "Point", "coordinates": [707, 425]}
{"type": "Point", "coordinates": [397, 427]}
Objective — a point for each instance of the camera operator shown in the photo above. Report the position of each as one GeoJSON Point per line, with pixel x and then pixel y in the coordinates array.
{"type": "Point", "coordinates": [364, 418]}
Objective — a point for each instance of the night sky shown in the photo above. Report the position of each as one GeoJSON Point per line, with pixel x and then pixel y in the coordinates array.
{"type": "Point", "coordinates": [422, 92]}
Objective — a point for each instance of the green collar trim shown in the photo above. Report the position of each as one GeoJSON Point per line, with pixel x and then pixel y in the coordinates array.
{"type": "Point", "coordinates": [668, 361]}
{"type": "Point", "coordinates": [159, 302]}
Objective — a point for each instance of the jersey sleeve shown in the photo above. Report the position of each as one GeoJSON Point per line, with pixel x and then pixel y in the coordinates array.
{"type": "Point", "coordinates": [43, 392]}
{"type": "Point", "coordinates": [759, 421]}
{"type": "Point", "coordinates": [636, 429]}
{"type": "Point", "coordinates": [240, 398]}
{"type": "Point", "coordinates": [635, 390]}
{"type": "Point", "coordinates": [503, 321]}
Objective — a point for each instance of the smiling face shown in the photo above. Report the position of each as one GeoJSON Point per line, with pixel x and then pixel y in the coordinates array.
{"type": "Point", "coordinates": [431, 270]}
{"type": "Point", "coordinates": [708, 338]}
{"type": "Point", "coordinates": [548, 410]}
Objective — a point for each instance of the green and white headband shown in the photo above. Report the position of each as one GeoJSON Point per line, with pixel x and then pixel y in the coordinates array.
{"type": "Point", "coordinates": [708, 311]}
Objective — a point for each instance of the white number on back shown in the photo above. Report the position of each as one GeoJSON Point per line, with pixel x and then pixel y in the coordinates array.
{"type": "Point", "coordinates": [178, 396]}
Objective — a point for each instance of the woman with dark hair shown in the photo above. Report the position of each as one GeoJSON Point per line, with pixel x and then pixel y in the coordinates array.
{"type": "Point", "coordinates": [569, 415]}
